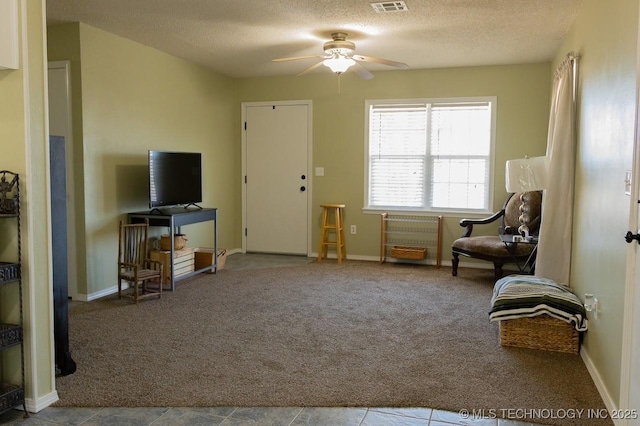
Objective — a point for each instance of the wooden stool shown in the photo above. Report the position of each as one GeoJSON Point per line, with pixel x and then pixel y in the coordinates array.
{"type": "Point", "coordinates": [338, 228]}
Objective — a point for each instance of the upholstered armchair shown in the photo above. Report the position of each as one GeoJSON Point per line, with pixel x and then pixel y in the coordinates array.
{"type": "Point", "coordinates": [491, 247]}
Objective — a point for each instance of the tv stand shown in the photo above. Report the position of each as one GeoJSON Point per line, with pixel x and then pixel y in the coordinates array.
{"type": "Point", "coordinates": [174, 218]}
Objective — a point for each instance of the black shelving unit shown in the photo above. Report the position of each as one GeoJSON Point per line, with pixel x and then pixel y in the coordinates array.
{"type": "Point", "coordinates": [11, 328]}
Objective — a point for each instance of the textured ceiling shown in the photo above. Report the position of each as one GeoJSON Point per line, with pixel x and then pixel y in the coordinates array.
{"type": "Point", "coordinates": [239, 38]}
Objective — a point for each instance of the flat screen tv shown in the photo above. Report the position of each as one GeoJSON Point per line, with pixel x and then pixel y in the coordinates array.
{"type": "Point", "coordinates": [175, 178]}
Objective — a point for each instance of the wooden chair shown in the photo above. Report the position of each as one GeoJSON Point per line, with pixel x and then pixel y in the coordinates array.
{"type": "Point", "coordinates": [491, 247]}
{"type": "Point", "coordinates": [134, 265]}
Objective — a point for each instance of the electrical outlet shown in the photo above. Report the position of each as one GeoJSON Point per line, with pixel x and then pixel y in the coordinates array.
{"type": "Point", "coordinates": [591, 304]}
{"type": "Point", "coordinates": [353, 229]}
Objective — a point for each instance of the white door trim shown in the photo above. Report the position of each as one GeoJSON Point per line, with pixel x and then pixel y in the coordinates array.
{"type": "Point", "coordinates": [309, 185]}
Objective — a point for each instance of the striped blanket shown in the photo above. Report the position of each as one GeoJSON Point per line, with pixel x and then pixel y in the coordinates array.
{"type": "Point", "coordinates": [520, 296]}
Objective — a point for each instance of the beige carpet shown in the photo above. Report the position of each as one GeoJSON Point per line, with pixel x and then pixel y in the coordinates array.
{"type": "Point", "coordinates": [355, 334]}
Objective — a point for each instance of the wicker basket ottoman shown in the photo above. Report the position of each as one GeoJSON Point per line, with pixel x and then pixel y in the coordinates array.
{"type": "Point", "coordinates": [540, 332]}
{"type": "Point", "coordinates": [537, 313]}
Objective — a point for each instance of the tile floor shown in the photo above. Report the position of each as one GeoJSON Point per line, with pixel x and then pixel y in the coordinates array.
{"type": "Point", "coordinates": [245, 416]}
{"type": "Point", "coordinates": [263, 416]}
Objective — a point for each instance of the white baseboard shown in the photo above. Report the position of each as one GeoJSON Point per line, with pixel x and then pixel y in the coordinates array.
{"type": "Point", "coordinates": [462, 264]}
{"type": "Point", "coordinates": [36, 405]}
{"type": "Point", "coordinates": [597, 380]}
{"type": "Point", "coordinates": [376, 259]}
{"type": "Point", "coordinates": [349, 257]}
{"type": "Point", "coordinates": [97, 295]}
{"type": "Point", "coordinates": [476, 265]}
{"type": "Point", "coordinates": [114, 289]}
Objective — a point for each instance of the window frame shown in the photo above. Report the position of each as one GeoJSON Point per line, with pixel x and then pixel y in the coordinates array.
{"type": "Point", "coordinates": [491, 100]}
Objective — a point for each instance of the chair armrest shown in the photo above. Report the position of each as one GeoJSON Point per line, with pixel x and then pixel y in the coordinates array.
{"type": "Point", "coordinates": [154, 264]}
{"type": "Point", "coordinates": [468, 223]}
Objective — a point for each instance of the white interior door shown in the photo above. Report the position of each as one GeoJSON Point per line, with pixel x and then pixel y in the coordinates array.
{"type": "Point", "coordinates": [630, 374]}
{"type": "Point", "coordinates": [630, 368]}
{"type": "Point", "coordinates": [277, 181]}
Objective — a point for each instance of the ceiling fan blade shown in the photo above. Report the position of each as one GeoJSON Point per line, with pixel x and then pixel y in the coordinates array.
{"type": "Point", "coordinates": [401, 65]}
{"type": "Point", "coordinates": [295, 58]}
{"type": "Point", "coordinates": [311, 68]}
{"type": "Point", "coordinates": [361, 71]}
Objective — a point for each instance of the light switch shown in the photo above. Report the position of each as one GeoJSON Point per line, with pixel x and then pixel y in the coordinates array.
{"type": "Point", "coordinates": [319, 171]}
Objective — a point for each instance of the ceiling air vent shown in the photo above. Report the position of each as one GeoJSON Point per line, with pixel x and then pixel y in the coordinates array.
{"type": "Point", "coordinates": [389, 6]}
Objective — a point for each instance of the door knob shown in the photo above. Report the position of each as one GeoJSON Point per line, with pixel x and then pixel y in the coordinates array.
{"type": "Point", "coordinates": [302, 188]}
{"type": "Point", "coordinates": [630, 237]}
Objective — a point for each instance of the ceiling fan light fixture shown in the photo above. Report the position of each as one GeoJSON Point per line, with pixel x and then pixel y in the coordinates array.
{"type": "Point", "coordinates": [339, 56]}
{"type": "Point", "coordinates": [339, 64]}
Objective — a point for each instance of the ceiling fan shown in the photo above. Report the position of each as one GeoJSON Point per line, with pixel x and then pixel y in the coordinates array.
{"type": "Point", "coordinates": [339, 56]}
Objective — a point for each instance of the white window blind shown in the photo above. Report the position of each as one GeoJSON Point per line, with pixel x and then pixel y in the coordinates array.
{"type": "Point", "coordinates": [429, 155]}
{"type": "Point", "coordinates": [397, 155]}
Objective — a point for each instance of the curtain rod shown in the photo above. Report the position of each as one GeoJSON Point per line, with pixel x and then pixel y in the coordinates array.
{"type": "Point", "coordinates": [572, 55]}
{"type": "Point", "coordinates": [570, 59]}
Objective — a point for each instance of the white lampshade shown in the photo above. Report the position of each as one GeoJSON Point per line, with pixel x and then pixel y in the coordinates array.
{"type": "Point", "coordinates": [527, 174]}
{"type": "Point", "coordinates": [339, 64]}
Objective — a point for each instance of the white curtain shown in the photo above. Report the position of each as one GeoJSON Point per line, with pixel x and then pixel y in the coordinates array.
{"type": "Point", "coordinates": [554, 250]}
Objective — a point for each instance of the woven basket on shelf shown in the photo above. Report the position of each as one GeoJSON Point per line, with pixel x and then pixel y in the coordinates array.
{"type": "Point", "coordinates": [402, 252]}
{"type": "Point", "coordinates": [179, 241]}
{"type": "Point", "coordinates": [540, 332]}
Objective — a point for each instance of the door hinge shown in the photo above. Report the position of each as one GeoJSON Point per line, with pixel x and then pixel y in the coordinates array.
{"type": "Point", "coordinates": [245, 125]}
{"type": "Point", "coordinates": [245, 232]}
{"type": "Point", "coordinates": [245, 178]}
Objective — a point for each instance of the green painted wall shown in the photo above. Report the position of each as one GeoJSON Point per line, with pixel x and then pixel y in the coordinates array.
{"type": "Point", "coordinates": [135, 98]}
{"type": "Point", "coordinates": [338, 129]}
{"type": "Point", "coordinates": [605, 35]}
